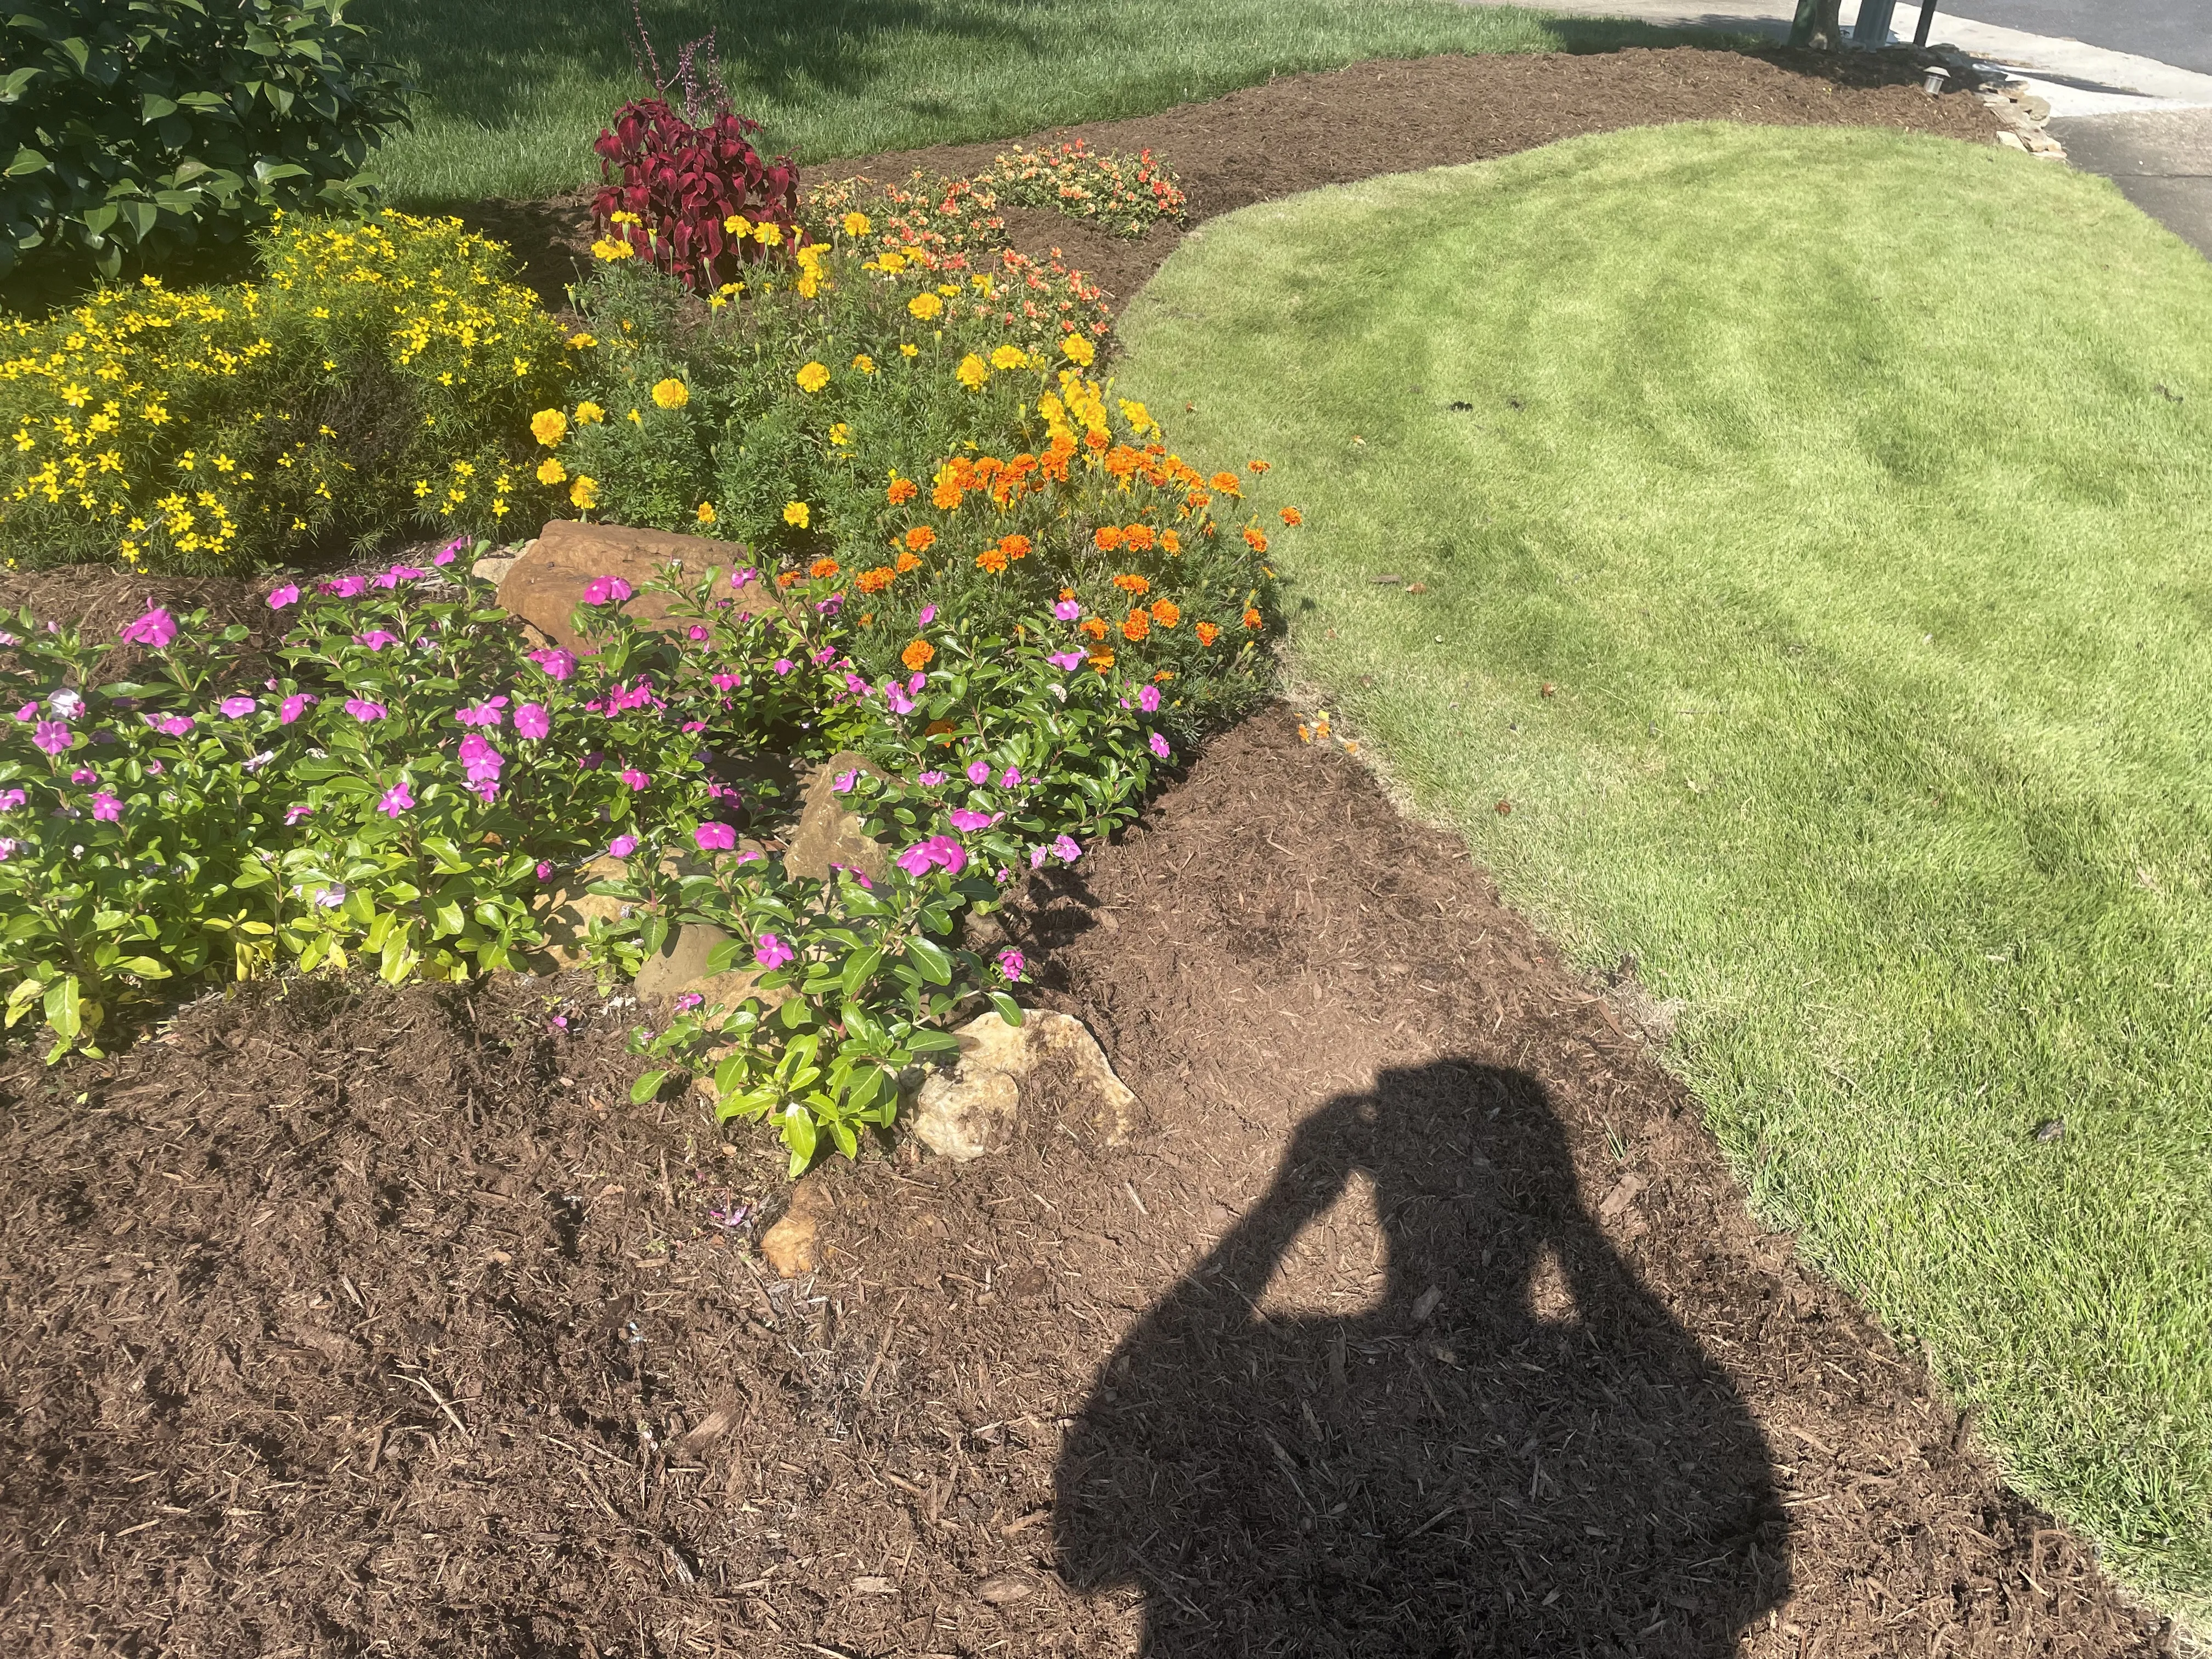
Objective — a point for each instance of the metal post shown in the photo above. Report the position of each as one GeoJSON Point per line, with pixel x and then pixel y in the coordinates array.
{"type": "Point", "coordinates": [1871, 33]}
{"type": "Point", "coordinates": [1800, 31]}
{"type": "Point", "coordinates": [1927, 16]}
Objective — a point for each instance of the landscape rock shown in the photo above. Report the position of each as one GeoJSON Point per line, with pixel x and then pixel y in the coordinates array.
{"type": "Point", "coordinates": [793, 1245]}
{"type": "Point", "coordinates": [681, 967]}
{"type": "Point", "coordinates": [972, 1110]}
{"type": "Point", "coordinates": [828, 834]}
{"type": "Point", "coordinates": [545, 583]}
{"type": "Point", "coordinates": [565, 912]}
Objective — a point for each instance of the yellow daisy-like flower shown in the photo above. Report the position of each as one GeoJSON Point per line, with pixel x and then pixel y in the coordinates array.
{"type": "Point", "coordinates": [587, 412]}
{"type": "Point", "coordinates": [812, 377]}
{"type": "Point", "coordinates": [610, 250]}
{"type": "Point", "coordinates": [1009, 356]}
{"type": "Point", "coordinates": [972, 373]}
{"type": "Point", "coordinates": [865, 363]}
{"type": "Point", "coordinates": [1079, 350]}
{"type": "Point", "coordinates": [636, 419]}
{"type": "Point", "coordinates": [578, 342]}
{"type": "Point", "coordinates": [910, 350]}
{"type": "Point", "coordinates": [927, 306]}
{"type": "Point", "coordinates": [550, 472]}
{"type": "Point", "coordinates": [671, 394]}
{"type": "Point", "coordinates": [549, 427]}
{"type": "Point", "coordinates": [706, 513]}
{"type": "Point", "coordinates": [797, 515]}
{"type": "Point", "coordinates": [584, 492]}
{"type": "Point", "coordinates": [840, 434]}
{"type": "Point", "coordinates": [856, 224]}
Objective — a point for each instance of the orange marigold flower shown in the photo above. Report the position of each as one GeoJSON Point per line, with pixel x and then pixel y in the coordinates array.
{"type": "Point", "coordinates": [822, 569]}
{"type": "Point", "coordinates": [1098, 440]}
{"type": "Point", "coordinates": [1197, 500]}
{"type": "Point", "coordinates": [785, 578]}
{"type": "Point", "coordinates": [1136, 625]}
{"type": "Point", "coordinates": [1292, 517]}
{"type": "Point", "coordinates": [917, 654]}
{"type": "Point", "coordinates": [867, 619]}
{"type": "Point", "coordinates": [1258, 466]}
{"type": "Point", "coordinates": [1170, 541]}
{"type": "Point", "coordinates": [874, 581]}
{"type": "Point", "coordinates": [1095, 626]}
{"type": "Point", "coordinates": [920, 538]}
{"type": "Point", "coordinates": [1164, 676]}
{"type": "Point", "coordinates": [1226, 483]}
{"type": "Point", "coordinates": [1106, 537]}
{"type": "Point", "coordinates": [908, 562]}
{"type": "Point", "coordinates": [1132, 585]}
{"type": "Point", "coordinates": [1207, 632]}
{"type": "Point", "coordinates": [901, 491]}
{"type": "Point", "coordinates": [1253, 534]}
{"type": "Point", "coordinates": [1014, 547]}
{"type": "Point", "coordinates": [1067, 592]}
{"type": "Point", "coordinates": [937, 728]}
{"type": "Point", "coordinates": [993, 560]}
{"type": "Point", "coordinates": [1166, 612]}
{"type": "Point", "coordinates": [1138, 538]}
{"type": "Point", "coordinates": [1100, 661]}
{"type": "Point", "coordinates": [1251, 616]}
{"type": "Point", "coordinates": [946, 498]}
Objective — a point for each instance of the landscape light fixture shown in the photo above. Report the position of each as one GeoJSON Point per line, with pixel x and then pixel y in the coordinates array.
{"type": "Point", "coordinates": [1937, 74]}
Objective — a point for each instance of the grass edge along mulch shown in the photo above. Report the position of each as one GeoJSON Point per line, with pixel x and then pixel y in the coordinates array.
{"type": "Point", "coordinates": [1518, 564]}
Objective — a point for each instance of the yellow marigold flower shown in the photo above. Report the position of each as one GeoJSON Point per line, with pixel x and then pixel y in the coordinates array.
{"type": "Point", "coordinates": [1079, 350]}
{"type": "Point", "coordinates": [767, 234]}
{"type": "Point", "coordinates": [797, 515]}
{"type": "Point", "coordinates": [624, 219]}
{"type": "Point", "coordinates": [706, 513]}
{"type": "Point", "coordinates": [738, 225]}
{"type": "Point", "coordinates": [585, 492]}
{"type": "Point", "coordinates": [973, 372]}
{"type": "Point", "coordinates": [865, 363]}
{"type": "Point", "coordinates": [840, 434]}
{"type": "Point", "coordinates": [550, 472]}
{"type": "Point", "coordinates": [587, 412]}
{"type": "Point", "coordinates": [671, 394]}
{"type": "Point", "coordinates": [910, 350]}
{"type": "Point", "coordinates": [927, 306]}
{"type": "Point", "coordinates": [549, 427]}
{"type": "Point", "coordinates": [1009, 356]}
{"type": "Point", "coordinates": [606, 248]}
{"type": "Point", "coordinates": [856, 224]}
{"type": "Point", "coordinates": [636, 419]}
{"type": "Point", "coordinates": [812, 377]}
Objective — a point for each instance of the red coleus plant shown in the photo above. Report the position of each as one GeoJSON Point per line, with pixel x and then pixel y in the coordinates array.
{"type": "Point", "coordinates": [671, 189]}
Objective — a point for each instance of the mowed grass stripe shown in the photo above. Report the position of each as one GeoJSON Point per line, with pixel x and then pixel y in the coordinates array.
{"type": "Point", "coordinates": [1828, 476]}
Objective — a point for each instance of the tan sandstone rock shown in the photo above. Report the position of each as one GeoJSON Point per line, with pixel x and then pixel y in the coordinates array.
{"type": "Point", "coordinates": [546, 583]}
{"type": "Point", "coordinates": [828, 834]}
{"type": "Point", "coordinates": [972, 1110]}
{"type": "Point", "coordinates": [793, 1245]}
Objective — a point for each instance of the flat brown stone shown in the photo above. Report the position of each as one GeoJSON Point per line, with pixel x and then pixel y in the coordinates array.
{"type": "Point", "coordinates": [829, 835]}
{"type": "Point", "coordinates": [545, 584]}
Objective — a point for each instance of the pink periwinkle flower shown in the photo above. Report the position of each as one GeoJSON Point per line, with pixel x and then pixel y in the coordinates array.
{"type": "Point", "coordinates": [29, 711]}
{"type": "Point", "coordinates": [51, 735]}
{"type": "Point", "coordinates": [1010, 964]}
{"type": "Point", "coordinates": [480, 760]}
{"type": "Point", "coordinates": [857, 686]}
{"type": "Point", "coordinates": [395, 801]}
{"type": "Point", "coordinates": [772, 952]}
{"type": "Point", "coordinates": [281, 597]}
{"type": "Point", "coordinates": [692, 726]}
{"type": "Point", "coordinates": [156, 628]}
{"type": "Point", "coordinates": [155, 767]}
{"type": "Point", "coordinates": [636, 779]}
{"type": "Point", "coordinates": [622, 846]}
{"type": "Point", "coordinates": [12, 798]}
{"type": "Point", "coordinates": [824, 656]}
{"type": "Point", "coordinates": [294, 813]}
{"type": "Point", "coordinates": [979, 772]}
{"type": "Point", "coordinates": [544, 872]}
{"type": "Point", "coordinates": [1010, 778]}
{"type": "Point", "coordinates": [345, 587]}
{"type": "Point", "coordinates": [1037, 855]}
{"type": "Point", "coordinates": [844, 781]}
{"type": "Point", "coordinates": [443, 555]}
{"type": "Point", "coordinates": [488, 712]}
{"type": "Point", "coordinates": [398, 574]}
{"type": "Point", "coordinates": [715, 837]}
{"type": "Point", "coordinates": [1159, 746]}
{"type": "Point", "coordinates": [783, 665]}
{"type": "Point", "coordinates": [930, 779]}
{"type": "Point", "coordinates": [698, 631]}
{"type": "Point", "coordinates": [365, 711]}
{"type": "Point", "coordinates": [1067, 610]}
{"type": "Point", "coordinates": [107, 808]}
{"type": "Point", "coordinates": [1148, 698]}
{"type": "Point", "coordinates": [294, 706]}
{"type": "Point", "coordinates": [170, 726]}
{"type": "Point", "coordinates": [238, 708]}
{"type": "Point", "coordinates": [938, 850]}
{"type": "Point", "coordinates": [602, 589]}
{"type": "Point", "coordinates": [860, 876]}
{"type": "Point", "coordinates": [1066, 850]}
{"type": "Point", "coordinates": [376, 639]}
{"type": "Point", "coordinates": [84, 774]}
{"type": "Point", "coordinates": [557, 663]}
{"type": "Point", "coordinates": [531, 720]}
{"type": "Point", "coordinates": [929, 616]}
{"type": "Point", "coordinates": [916, 680]}
{"type": "Point", "coordinates": [591, 762]}
{"type": "Point", "coordinates": [739, 578]}
{"type": "Point", "coordinates": [688, 1001]}
{"type": "Point", "coordinates": [1065, 660]}
{"type": "Point", "coordinates": [968, 820]}
{"type": "Point", "coordinates": [896, 699]}
{"type": "Point", "coordinates": [724, 682]}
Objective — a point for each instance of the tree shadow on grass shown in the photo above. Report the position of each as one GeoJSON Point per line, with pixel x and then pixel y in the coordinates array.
{"type": "Point", "coordinates": [1514, 1448]}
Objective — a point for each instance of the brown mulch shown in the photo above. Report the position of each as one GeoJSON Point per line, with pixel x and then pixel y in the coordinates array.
{"type": "Point", "coordinates": [1305, 130]}
{"type": "Point", "coordinates": [1417, 1315]}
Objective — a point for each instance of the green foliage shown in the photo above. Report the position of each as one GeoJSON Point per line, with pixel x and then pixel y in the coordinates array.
{"type": "Point", "coordinates": [134, 129]}
{"type": "Point", "coordinates": [382, 370]}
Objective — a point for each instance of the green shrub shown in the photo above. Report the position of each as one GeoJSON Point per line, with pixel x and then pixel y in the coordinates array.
{"type": "Point", "coordinates": [134, 129]}
{"type": "Point", "coordinates": [383, 372]}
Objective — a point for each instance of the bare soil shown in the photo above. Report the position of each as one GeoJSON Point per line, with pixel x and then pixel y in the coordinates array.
{"type": "Point", "coordinates": [1419, 1315]}
{"type": "Point", "coordinates": [1305, 130]}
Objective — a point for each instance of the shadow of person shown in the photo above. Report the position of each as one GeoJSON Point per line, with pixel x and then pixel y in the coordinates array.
{"type": "Point", "coordinates": [1504, 1445]}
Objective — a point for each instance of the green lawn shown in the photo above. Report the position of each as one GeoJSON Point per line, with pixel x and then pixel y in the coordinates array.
{"type": "Point", "coordinates": [1827, 475]}
{"type": "Point", "coordinates": [513, 95]}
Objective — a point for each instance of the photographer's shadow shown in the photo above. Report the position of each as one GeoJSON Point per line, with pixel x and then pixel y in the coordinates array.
{"type": "Point", "coordinates": [1511, 1448]}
